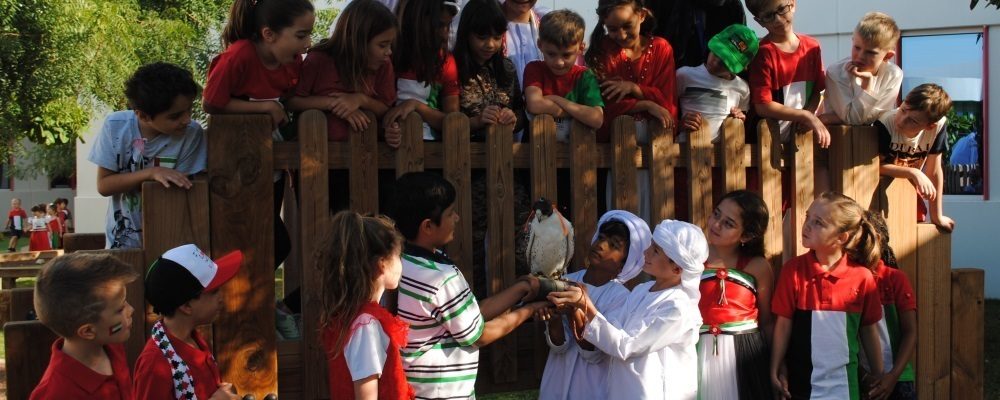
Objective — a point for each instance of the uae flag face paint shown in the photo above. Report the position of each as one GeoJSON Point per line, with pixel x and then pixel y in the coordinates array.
{"type": "Point", "coordinates": [116, 328]}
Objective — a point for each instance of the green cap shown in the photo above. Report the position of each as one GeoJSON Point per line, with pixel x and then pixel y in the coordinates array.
{"type": "Point", "coordinates": [735, 46]}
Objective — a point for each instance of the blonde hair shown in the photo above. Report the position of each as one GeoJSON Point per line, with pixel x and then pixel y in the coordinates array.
{"type": "Point", "coordinates": [931, 99]}
{"type": "Point", "coordinates": [879, 30]}
{"type": "Point", "coordinates": [562, 28]}
{"type": "Point", "coordinates": [863, 241]}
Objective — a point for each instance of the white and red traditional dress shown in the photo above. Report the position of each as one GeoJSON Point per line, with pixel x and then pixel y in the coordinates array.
{"type": "Point", "coordinates": [732, 352]}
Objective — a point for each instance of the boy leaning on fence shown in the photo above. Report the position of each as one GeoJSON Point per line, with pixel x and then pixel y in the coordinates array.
{"type": "Point", "coordinates": [82, 298]}
{"type": "Point", "coordinates": [155, 140]}
{"type": "Point", "coordinates": [911, 140]}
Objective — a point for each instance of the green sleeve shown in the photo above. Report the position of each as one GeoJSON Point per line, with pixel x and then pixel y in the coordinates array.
{"type": "Point", "coordinates": [586, 91]}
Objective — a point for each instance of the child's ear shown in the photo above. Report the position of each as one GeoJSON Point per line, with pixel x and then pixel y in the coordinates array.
{"type": "Point", "coordinates": [842, 238]}
{"type": "Point", "coordinates": [267, 34]}
{"type": "Point", "coordinates": [889, 55]}
{"type": "Point", "coordinates": [143, 116]}
{"type": "Point", "coordinates": [87, 331]}
{"type": "Point", "coordinates": [185, 308]}
{"type": "Point", "coordinates": [427, 225]}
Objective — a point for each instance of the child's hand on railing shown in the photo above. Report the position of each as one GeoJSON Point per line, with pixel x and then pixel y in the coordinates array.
{"type": "Point", "coordinates": [345, 104]}
{"type": "Point", "coordinates": [943, 222]}
{"type": "Point", "coordinates": [393, 135]}
{"type": "Point", "coordinates": [661, 114]}
{"type": "Point", "coordinates": [167, 176]}
{"type": "Point", "coordinates": [358, 120]}
{"type": "Point", "coordinates": [507, 116]}
{"type": "Point", "coordinates": [737, 113]}
{"type": "Point", "coordinates": [818, 128]}
{"type": "Point", "coordinates": [277, 113]}
{"type": "Point", "coordinates": [691, 122]}
{"type": "Point", "coordinates": [617, 90]}
{"type": "Point", "coordinates": [925, 188]}
{"type": "Point", "coordinates": [398, 112]}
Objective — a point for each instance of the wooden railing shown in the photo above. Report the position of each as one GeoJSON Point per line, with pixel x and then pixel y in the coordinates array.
{"type": "Point", "coordinates": [232, 209]}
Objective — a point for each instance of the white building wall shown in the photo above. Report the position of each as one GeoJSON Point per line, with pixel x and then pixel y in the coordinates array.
{"type": "Point", "coordinates": [92, 208]}
{"type": "Point", "coordinates": [32, 192]}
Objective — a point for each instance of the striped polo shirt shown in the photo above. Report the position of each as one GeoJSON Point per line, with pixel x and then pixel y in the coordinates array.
{"type": "Point", "coordinates": [439, 359]}
{"type": "Point", "coordinates": [897, 297]}
{"type": "Point", "coordinates": [827, 309]}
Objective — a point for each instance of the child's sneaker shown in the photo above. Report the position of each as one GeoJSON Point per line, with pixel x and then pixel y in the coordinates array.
{"type": "Point", "coordinates": [286, 326]}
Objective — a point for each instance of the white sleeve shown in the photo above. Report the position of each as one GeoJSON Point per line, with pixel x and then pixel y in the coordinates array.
{"type": "Point", "coordinates": [365, 350]}
{"type": "Point", "coordinates": [835, 99]}
{"type": "Point", "coordinates": [875, 104]}
{"type": "Point", "coordinates": [660, 328]}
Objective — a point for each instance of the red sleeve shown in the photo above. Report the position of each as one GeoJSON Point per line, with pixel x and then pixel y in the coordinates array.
{"type": "Point", "coordinates": [903, 292]}
{"type": "Point", "coordinates": [223, 77]}
{"type": "Point", "coordinates": [449, 77]}
{"type": "Point", "coordinates": [662, 88]}
{"type": "Point", "coordinates": [152, 379]}
{"type": "Point", "coordinates": [533, 74]}
{"type": "Point", "coordinates": [871, 312]}
{"type": "Point", "coordinates": [385, 85]}
{"type": "Point", "coordinates": [820, 72]}
{"type": "Point", "coordinates": [761, 74]}
{"type": "Point", "coordinates": [783, 300]}
{"type": "Point", "coordinates": [311, 68]}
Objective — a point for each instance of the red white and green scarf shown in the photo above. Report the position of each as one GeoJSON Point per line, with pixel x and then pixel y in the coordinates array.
{"type": "Point", "coordinates": [179, 370]}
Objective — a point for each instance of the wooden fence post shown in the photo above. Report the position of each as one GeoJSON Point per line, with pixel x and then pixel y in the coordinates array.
{"type": "Point", "coordinates": [767, 150]}
{"type": "Point", "coordinates": [543, 158]}
{"type": "Point", "coordinates": [625, 190]}
{"type": "Point", "coordinates": [240, 170]}
{"type": "Point", "coordinates": [967, 334]}
{"type": "Point", "coordinates": [458, 170]}
{"type": "Point", "coordinates": [933, 313]}
{"type": "Point", "coordinates": [28, 346]}
{"type": "Point", "coordinates": [500, 233]}
{"type": "Point", "coordinates": [663, 155]}
{"type": "Point", "coordinates": [699, 166]}
{"type": "Point", "coordinates": [731, 158]}
{"type": "Point", "coordinates": [364, 169]}
{"type": "Point", "coordinates": [854, 162]}
{"type": "Point", "coordinates": [897, 201]}
{"type": "Point", "coordinates": [799, 163]}
{"type": "Point", "coordinates": [410, 154]}
{"type": "Point", "coordinates": [583, 184]}
{"type": "Point", "coordinates": [314, 211]}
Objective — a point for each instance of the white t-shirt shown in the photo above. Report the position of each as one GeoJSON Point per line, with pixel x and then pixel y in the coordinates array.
{"type": "Point", "coordinates": [713, 97]}
{"type": "Point", "coordinates": [522, 41]}
{"type": "Point", "coordinates": [365, 349]}
{"type": "Point", "coordinates": [845, 98]}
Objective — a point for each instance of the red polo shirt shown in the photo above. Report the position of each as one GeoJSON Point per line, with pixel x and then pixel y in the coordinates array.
{"type": "Point", "coordinates": [804, 285]}
{"type": "Point", "coordinates": [238, 73]}
{"type": "Point", "coordinates": [153, 379]}
{"type": "Point", "coordinates": [68, 379]}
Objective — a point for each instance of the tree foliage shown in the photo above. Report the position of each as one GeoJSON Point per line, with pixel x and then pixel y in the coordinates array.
{"type": "Point", "coordinates": [61, 60]}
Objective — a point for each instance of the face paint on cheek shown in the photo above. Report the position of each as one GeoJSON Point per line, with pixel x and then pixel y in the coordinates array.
{"type": "Point", "coordinates": [116, 328]}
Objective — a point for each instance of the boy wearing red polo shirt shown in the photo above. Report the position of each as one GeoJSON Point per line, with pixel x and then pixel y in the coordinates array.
{"type": "Point", "coordinates": [81, 297]}
{"type": "Point", "coordinates": [183, 287]}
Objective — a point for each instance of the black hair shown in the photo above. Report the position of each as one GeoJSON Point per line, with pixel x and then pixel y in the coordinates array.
{"type": "Point", "coordinates": [888, 255]}
{"type": "Point", "coordinates": [153, 88]}
{"type": "Point", "coordinates": [596, 52]}
{"type": "Point", "coordinates": [248, 17]}
{"type": "Point", "coordinates": [754, 216]}
{"type": "Point", "coordinates": [481, 18]}
{"type": "Point", "coordinates": [617, 229]}
{"type": "Point", "coordinates": [419, 46]}
{"type": "Point", "coordinates": [418, 196]}
{"type": "Point", "coordinates": [38, 208]}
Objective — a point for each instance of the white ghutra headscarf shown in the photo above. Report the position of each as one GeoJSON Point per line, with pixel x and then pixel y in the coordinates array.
{"type": "Point", "coordinates": [639, 239]}
{"type": "Point", "coordinates": [685, 244]}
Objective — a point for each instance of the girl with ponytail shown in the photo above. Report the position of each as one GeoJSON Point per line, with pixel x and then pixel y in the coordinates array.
{"type": "Point", "coordinates": [358, 260]}
{"type": "Point", "coordinates": [825, 301]}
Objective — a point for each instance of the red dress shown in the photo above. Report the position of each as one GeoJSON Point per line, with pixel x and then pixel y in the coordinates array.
{"type": "Point", "coordinates": [392, 383]}
{"type": "Point", "coordinates": [39, 235]}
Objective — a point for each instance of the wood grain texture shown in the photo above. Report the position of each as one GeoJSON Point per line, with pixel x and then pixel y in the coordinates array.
{"type": "Point", "coordinates": [933, 313]}
{"type": "Point", "coordinates": [624, 188]}
{"type": "Point", "coordinates": [364, 169]}
{"type": "Point", "coordinates": [662, 183]}
{"type": "Point", "coordinates": [769, 155]}
{"type": "Point", "coordinates": [500, 230]}
{"type": "Point", "coordinates": [799, 159]}
{"type": "Point", "coordinates": [410, 154]}
{"type": "Point", "coordinates": [583, 186]}
{"type": "Point", "coordinates": [28, 345]}
{"type": "Point", "coordinates": [967, 333]}
{"type": "Point", "coordinates": [83, 241]}
{"type": "Point", "coordinates": [732, 163]}
{"type": "Point", "coordinates": [853, 157]}
{"type": "Point", "coordinates": [699, 167]}
{"type": "Point", "coordinates": [543, 161]}
{"type": "Point", "coordinates": [242, 217]}
{"type": "Point", "coordinates": [457, 170]}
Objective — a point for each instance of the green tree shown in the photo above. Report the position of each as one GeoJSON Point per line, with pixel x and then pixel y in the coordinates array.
{"type": "Point", "coordinates": [61, 60]}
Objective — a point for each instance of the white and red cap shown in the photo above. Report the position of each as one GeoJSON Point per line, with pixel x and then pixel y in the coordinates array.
{"type": "Point", "coordinates": [183, 273]}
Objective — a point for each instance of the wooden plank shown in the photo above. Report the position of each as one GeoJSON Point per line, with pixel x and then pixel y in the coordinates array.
{"type": "Point", "coordinates": [500, 231]}
{"type": "Point", "coordinates": [457, 170]}
{"type": "Point", "coordinates": [896, 201]}
{"type": "Point", "coordinates": [173, 217]}
{"type": "Point", "coordinates": [83, 241]}
{"type": "Point", "coordinates": [732, 140]}
{"type": "Point", "coordinates": [853, 157]}
{"type": "Point", "coordinates": [364, 170]}
{"type": "Point", "coordinates": [29, 346]}
{"type": "Point", "coordinates": [583, 186]}
{"type": "Point", "coordinates": [967, 333]}
{"type": "Point", "coordinates": [767, 151]}
{"type": "Point", "coordinates": [287, 156]}
{"type": "Point", "coordinates": [16, 304]}
{"type": "Point", "coordinates": [410, 154]}
{"type": "Point", "coordinates": [314, 209]}
{"type": "Point", "coordinates": [699, 168]}
{"type": "Point", "coordinates": [624, 188]}
{"type": "Point", "coordinates": [242, 217]}
{"type": "Point", "coordinates": [543, 160]}
{"type": "Point", "coordinates": [800, 164]}
{"type": "Point", "coordinates": [661, 174]}
{"type": "Point", "coordinates": [28, 257]}
{"type": "Point", "coordinates": [290, 370]}
{"type": "Point", "coordinates": [933, 312]}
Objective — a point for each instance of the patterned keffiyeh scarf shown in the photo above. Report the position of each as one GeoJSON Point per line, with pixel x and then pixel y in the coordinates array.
{"type": "Point", "coordinates": [179, 371]}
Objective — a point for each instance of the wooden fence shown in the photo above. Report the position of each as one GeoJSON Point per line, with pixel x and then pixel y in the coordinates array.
{"type": "Point", "coordinates": [232, 209]}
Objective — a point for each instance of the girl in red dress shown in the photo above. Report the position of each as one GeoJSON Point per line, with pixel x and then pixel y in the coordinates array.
{"type": "Point", "coordinates": [39, 225]}
{"type": "Point", "coordinates": [359, 261]}
{"type": "Point", "coordinates": [735, 301]}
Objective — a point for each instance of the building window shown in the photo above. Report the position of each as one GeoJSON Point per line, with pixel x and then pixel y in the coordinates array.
{"type": "Point", "coordinates": [954, 61]}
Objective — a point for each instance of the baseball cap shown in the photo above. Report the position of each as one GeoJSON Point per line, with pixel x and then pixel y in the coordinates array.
{"type": "Point", "coordinates": [735, 46]}
{"type": "Point", "coordinates": [183, 273]}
